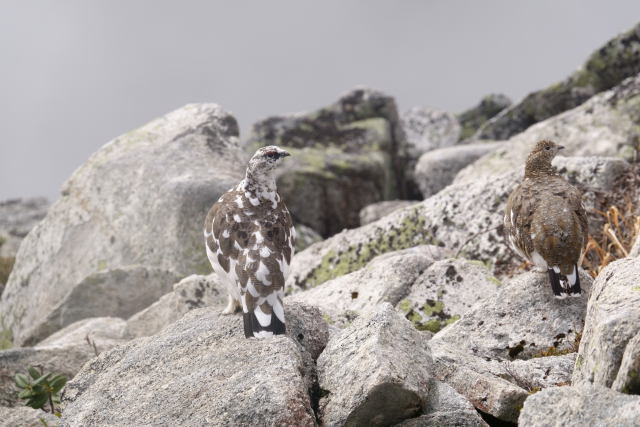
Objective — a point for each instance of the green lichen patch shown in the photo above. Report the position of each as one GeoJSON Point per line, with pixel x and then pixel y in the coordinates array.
{"type": "Point", "coordinates": [328, 319]}
{"type": "Point", "coordinates": [430, 316]}
{"type": "Point", "coordinates": [404, 306]}
{"type": "Point", "coordinates": [411, 231]}
{"type": "Point", "coordinates": [636, 288]}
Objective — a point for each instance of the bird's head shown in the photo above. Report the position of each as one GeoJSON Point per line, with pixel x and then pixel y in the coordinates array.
{"type": "Point", "coordinates": [264, 162]}
{"type": "Point", "coordinates": [539, 160]}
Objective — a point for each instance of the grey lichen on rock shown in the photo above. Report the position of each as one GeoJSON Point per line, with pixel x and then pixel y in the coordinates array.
{"type": "Point", "coordinates": [344, 156]}
{"type": "Point", "coordinates": [618, 59]}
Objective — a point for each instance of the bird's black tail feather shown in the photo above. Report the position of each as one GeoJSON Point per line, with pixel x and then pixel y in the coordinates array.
{"type": "Point", "coordinates": [253, 328]}
{"type": "Point", "coordinates": [562, 285]}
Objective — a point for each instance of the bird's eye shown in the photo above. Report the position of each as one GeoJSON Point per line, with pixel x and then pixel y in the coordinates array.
{"type": "Point", "coordinates": [271, 154]}
{"type": "Point", "coordinates": [547, 147]}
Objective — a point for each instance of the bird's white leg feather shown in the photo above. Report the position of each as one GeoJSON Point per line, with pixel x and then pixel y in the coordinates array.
{"type": "Point", "coordinates": [232, 304]}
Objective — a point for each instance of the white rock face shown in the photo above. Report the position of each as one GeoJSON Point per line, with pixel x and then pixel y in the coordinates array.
{"type": "Point", "coordinates": [522, 320]}
{"type": "Point", "coordinates": [190, 293]}
{"type": "Point", "coordinates": [139, 200]}
{"type": "Point", "coordinates": [376, 372]}
{"type": "Point", "coordinates": [436, 169]}
{"type": "Point", "coordinates": [580, 406]}
{"type": "Point", "coordinates": [605, 125]}
{"type": "Point", "coordinates": [198, 371]}
{"type": "Point", "coordinates": [609, 348]}
{"type": "Point", "coordinates": [387, 278]}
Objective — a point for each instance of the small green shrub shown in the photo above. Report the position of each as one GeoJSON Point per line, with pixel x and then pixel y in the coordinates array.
{"type": "Point", "coordinates": [38, 388]}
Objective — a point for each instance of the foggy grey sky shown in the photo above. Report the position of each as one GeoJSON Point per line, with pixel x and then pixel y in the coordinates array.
{"type": "Point", "coordinates": [75, 74]}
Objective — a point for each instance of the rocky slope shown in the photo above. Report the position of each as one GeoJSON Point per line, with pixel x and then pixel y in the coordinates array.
{"type": "Point", "coordinates": [420, 316]}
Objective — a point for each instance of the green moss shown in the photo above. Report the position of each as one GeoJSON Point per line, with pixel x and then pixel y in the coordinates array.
{"type": "Point", "coordinates": [452, 319]}
{"type": "Point", "coordinates": [432, 325]}
{"type": "Point", "coordinates": [410, 232]}
{"type": "Point", "coordinates": [414, 317]}
{"type": "Point", "coordinates": [433, 308]}
{"type": "Point", "coordinates": [2, 240]}
{"type": "Point", "coordinates": [405, 305]}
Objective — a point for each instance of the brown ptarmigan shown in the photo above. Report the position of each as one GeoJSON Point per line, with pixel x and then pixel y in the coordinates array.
{"type": "Point", "coordinates": [250, 241]}
{"type": "Point", "coordinates": [545, 221]}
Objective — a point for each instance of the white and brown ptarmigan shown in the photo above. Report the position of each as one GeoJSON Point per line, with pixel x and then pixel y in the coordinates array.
{"type": "Point", "coordinates": [250, 241]}
{"type": "Point", "coordinates": [545, 221]}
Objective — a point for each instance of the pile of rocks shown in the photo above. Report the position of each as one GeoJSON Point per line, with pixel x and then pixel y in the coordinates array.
{"type": "Point", "coordinates": [418, 314]}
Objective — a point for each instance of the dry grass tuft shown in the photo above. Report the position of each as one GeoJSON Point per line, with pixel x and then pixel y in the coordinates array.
{"type": "Point", "coordinates": [615, 224]}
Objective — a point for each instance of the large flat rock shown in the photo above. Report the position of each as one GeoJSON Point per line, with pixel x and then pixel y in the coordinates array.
{"type": "Point", "coordinates": [522, 320]}
{"type": "Point", "coordinates": [199, 371]}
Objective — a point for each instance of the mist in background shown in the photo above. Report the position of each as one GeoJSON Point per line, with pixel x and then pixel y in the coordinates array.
{"type": "Point", "coordinates": [75, 74]}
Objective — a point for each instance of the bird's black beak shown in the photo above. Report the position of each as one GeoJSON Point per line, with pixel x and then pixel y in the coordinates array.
{"type": "Point", "coordinates": [284, 154]}
{"type": "Point", "coordinates": [560, 147]}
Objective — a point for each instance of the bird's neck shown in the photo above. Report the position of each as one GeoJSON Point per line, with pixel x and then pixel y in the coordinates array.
{"type": "Point", "coordinates": [536, 168]}
{"type": "Point", "coordinates": [263, 185]}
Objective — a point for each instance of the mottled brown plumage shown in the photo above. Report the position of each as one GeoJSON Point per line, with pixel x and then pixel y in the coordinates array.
{"type": "Point", "coordinates": [250, 239]}
{"type": "Point", "coordinates": [545, 221]}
